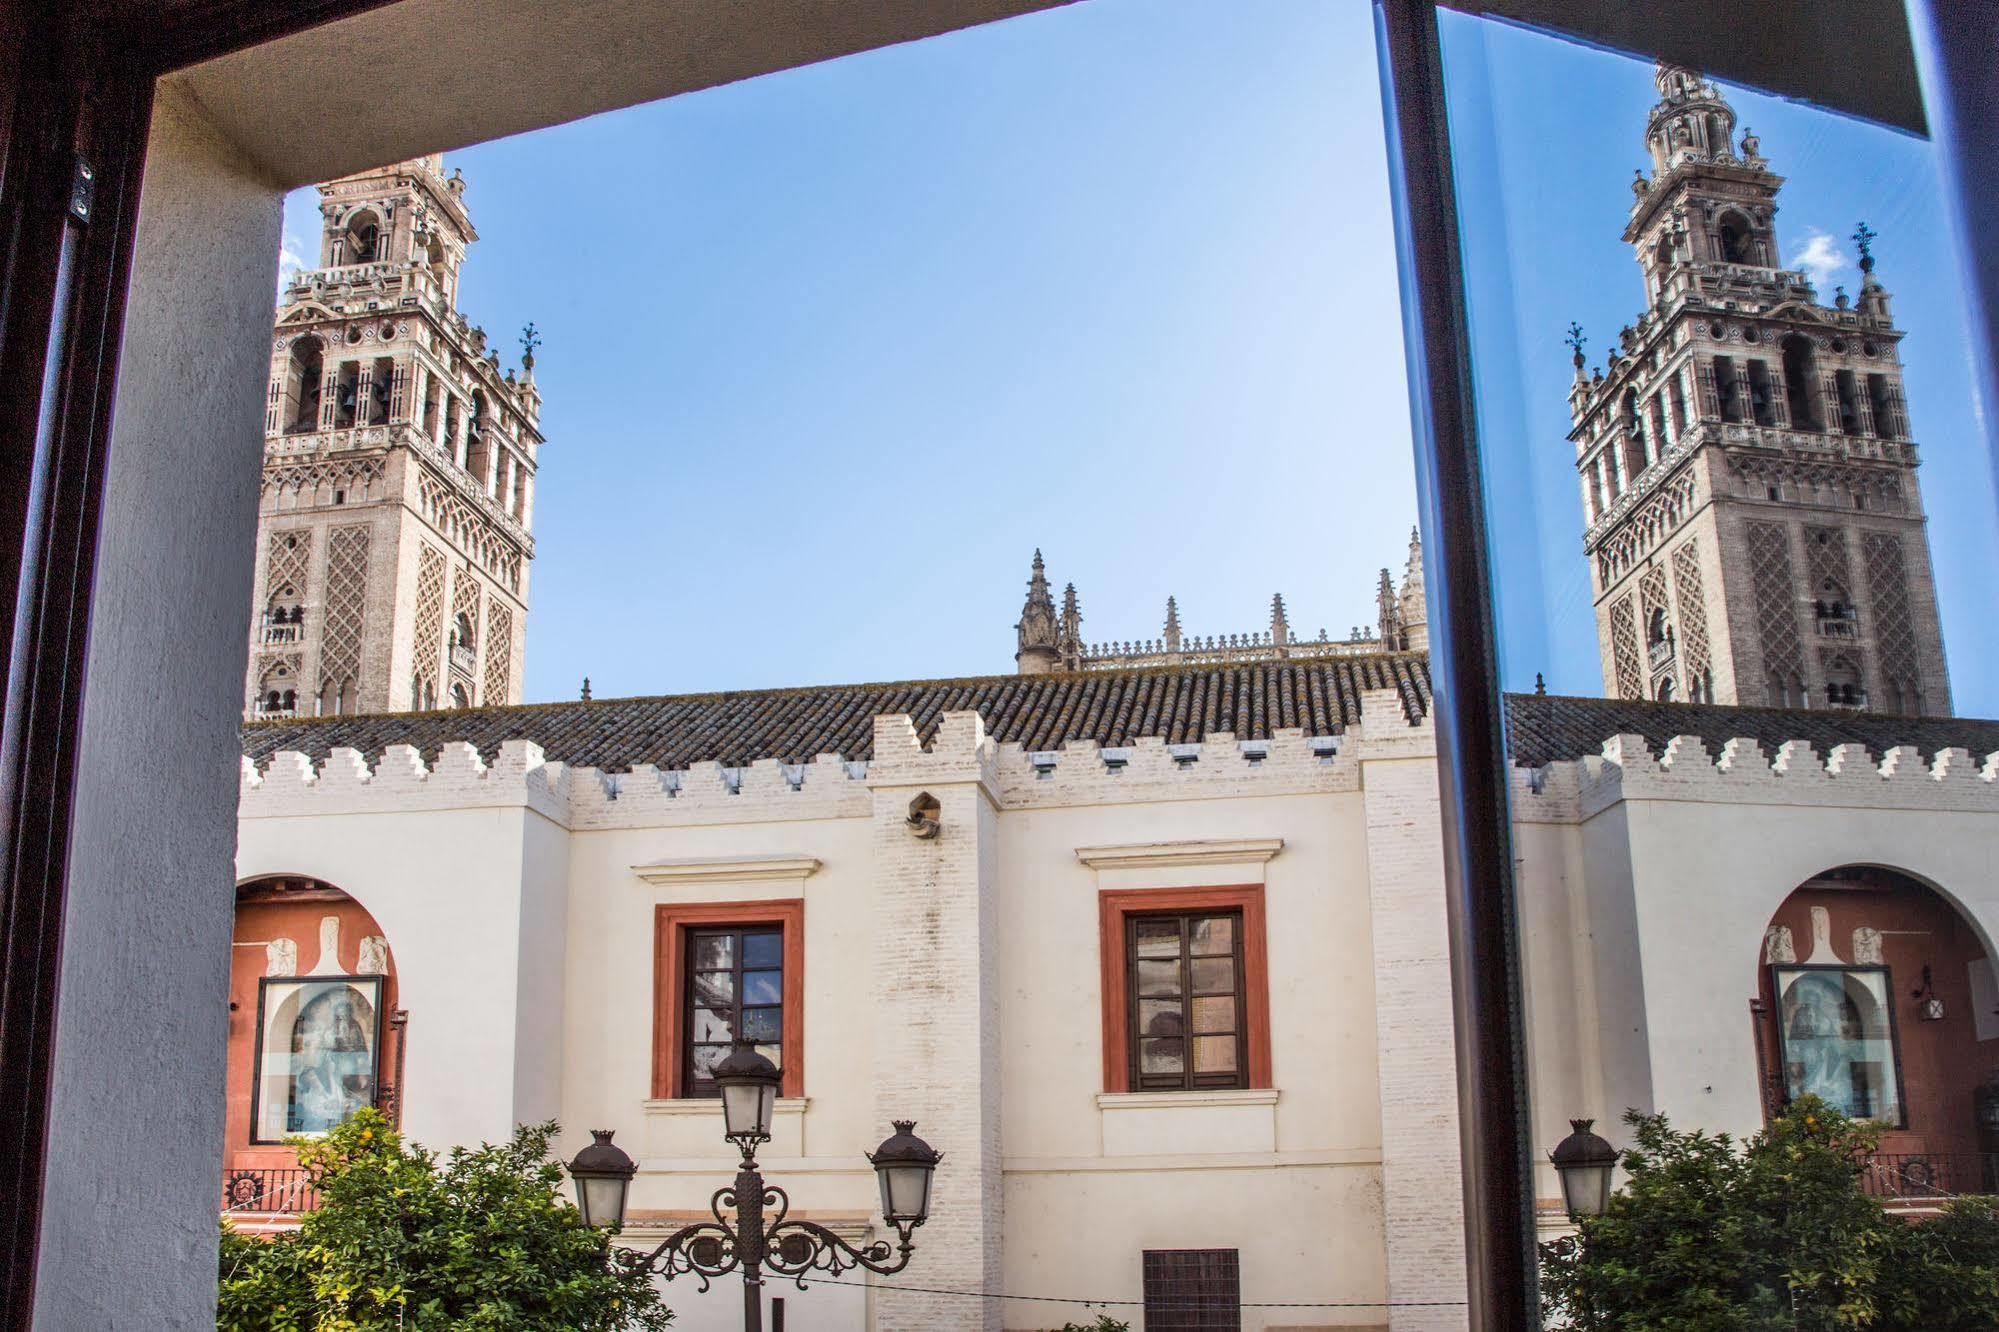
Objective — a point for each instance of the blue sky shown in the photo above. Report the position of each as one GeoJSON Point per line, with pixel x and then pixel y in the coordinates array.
{"type": "Point", "coordinates": [1543, 196]}
{"type": "Point", "coordinates": [828, 353]}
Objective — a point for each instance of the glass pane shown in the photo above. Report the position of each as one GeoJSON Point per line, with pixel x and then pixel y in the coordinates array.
{"type": "Point", "coordinates": [1160, 1017]}
{"type": "Point", "coordinates": [762, 987]}
{"type": "Point", "coordinates": [764, 949]}
{"type": "Point", "coordinates": [1160, 1055]}
{"type": "Point", "coordinates": [1214, 1054]}
{"type": "Point", "coordinates": [1212, 1015]}
{"type": "Point", "coordinates": [1158, 938]}
{"type": "Point", "coordinates": [714, 950]}
{"type": "Point", "coordinates": [762, 1024]}
{"type": "Point", "coordinates": [1838, 1044]}
{"type": "Point", "coordinates": [1159, 978]}
{"type": "Point", "coordinates": [1214, 975]}
{"type": "Point", "coordinates": [1738, 483]}
{"type": "Point", "coordinates": [1215, 934]}
{"type": "Point", "coordinates": [714, 989]}
{"type": "Point", "coordinates": [706, 1057]}
{"type": "Point", "coordinates": [773, 1052]}
{"type": "Point", "coordinates": [712, 1025]}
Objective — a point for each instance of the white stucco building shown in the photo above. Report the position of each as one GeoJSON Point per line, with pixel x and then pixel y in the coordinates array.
{"type": "Point", "coordinates": [545, 877]}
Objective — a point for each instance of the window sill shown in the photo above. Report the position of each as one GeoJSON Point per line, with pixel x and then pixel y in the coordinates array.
{"type": "Point", "coordinates": [712, 1105]}
{"type": "Point", "coordinates": [1163, 1100]}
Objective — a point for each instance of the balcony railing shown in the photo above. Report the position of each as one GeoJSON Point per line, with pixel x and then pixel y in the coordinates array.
{"type": "Point", "coordinates": [463, 658]}
{"type": "Point", "coordinates": [283, 633]}
{"type": "Point", "coordinates": [1660, 654]}
{"type": "Point", "coordinates": [1910, 1175]}
{"type": "Point", "coordinates": [288, 1191]}
{"type": "Point", "coordinates": [1838, 626]}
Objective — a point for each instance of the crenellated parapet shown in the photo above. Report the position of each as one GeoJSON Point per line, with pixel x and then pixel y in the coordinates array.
{"type": "Point", "coordinates": [1743, 771]}
{"type": "Point", "coordinates": [830, 786]}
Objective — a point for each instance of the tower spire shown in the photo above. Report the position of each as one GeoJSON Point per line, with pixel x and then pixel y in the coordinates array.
{"type": "Point", "coordinates": [1280, 625]}
{"type": "Point", "coordinates": [1038, 650]}
{"type": "Point", "coordinates": [1172, 625]}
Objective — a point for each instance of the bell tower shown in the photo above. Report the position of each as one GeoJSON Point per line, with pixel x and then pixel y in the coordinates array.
{"type": "Point", "coordinates": [1752, 518]}
{"type": "Point", "coordinates": [393, 538]}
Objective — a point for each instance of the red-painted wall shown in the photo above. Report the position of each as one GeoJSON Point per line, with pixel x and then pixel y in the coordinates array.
{"type": "Point", "coordinates": [288, 909]}
{"type": "Point", "coordinates": [1942, 1062]}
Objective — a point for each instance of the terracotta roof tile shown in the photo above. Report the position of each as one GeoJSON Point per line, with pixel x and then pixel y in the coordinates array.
{"type": "Point", "coordinates": [1176, 703]}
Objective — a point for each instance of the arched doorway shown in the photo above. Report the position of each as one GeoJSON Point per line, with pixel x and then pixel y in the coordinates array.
{"type": "Point", "coordinates": [1877, 995]}
{"type": "Point", "coordinates": [315, 1034]}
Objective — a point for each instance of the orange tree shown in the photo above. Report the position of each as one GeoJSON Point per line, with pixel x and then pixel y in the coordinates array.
{"type": "Point", "coordinates": [402, 1242]}
{"type": "Point", "coordinates": [1774, 1236]}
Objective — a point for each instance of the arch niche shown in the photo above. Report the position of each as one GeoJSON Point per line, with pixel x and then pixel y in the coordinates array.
{"type": "Point", "coordinates": [315, 1028]}
{"type": "Point", "coordinates": [1877, 993]}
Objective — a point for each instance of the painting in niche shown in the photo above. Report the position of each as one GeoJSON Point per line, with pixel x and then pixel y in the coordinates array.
{"type": "Point", "coordinates": [1838, 1039]}
{"type": "Point", "coordinates": [319, 1057]}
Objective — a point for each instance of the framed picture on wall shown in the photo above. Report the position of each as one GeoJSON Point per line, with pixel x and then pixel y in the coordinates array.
{"type": "Point", "coordinates": [319, 1041]}
{"type": "Point", "coordinates": [1836, 1035]}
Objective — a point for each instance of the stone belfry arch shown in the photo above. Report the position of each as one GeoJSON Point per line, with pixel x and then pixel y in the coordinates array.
{"type": "Point", "coordinates": [1752, 517]}
{"type": "Point", "coordinates": [395, 528]}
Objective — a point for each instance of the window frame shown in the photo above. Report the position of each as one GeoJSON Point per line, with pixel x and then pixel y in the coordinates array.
{"type": "Point", "coordinates": [377, 984]}
{"type": "Point", "coordinates": [1189, 1076]}
{"type": "Point", "coordinates": [671, 923]}
{"type": "Point", "coordinates": [693, 1086]}
{"type": "Point", "coordinates": [1781, 1046]}
{"type": "Point", "coordinates": [1115, 906]}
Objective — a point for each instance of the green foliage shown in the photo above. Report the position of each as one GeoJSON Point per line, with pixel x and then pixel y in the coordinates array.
{"type": "Point", "coordinates": [1104, 1323]}
{"type": "Point", "coordinates": [1775, 1237]}
{"type": "Point", "coordinates": [482, 1242]}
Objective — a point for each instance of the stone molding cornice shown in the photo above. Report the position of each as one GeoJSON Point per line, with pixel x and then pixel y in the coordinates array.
{"type": "Point", "coordinates": [729, 869]}
{"type": "Point", "coordinates": [1161, 855]}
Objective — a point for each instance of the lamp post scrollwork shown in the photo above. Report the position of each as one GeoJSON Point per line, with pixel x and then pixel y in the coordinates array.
{"type": "Point", "coordinates": [762, 1236]}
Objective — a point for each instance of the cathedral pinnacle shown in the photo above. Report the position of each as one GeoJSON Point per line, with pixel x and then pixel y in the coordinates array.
{"type": "Point", "coordinates": [1280, 624]}
{"type": "Point", "coordinates": [1037, 631]}
{"type": "Point", "coordinates": [530, 339]}
{"type": "Point", "coordinates": [1864, 236]}
{"type": "Point", "coordinates": [1575, 341]}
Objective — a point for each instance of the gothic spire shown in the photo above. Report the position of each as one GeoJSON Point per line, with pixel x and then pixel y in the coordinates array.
{"type": "Point", "coordinates": [1280, 626]}
{"type": "Point", "coordinates": [1172, 625]}
{"type": "Point", "coordinates": [1036, 631]}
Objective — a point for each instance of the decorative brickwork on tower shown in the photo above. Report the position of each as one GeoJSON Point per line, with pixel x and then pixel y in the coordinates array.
{"type": "Point", "coordinates": [390, 425]}
{"type": "Point", "coordinates": [1755, 441]}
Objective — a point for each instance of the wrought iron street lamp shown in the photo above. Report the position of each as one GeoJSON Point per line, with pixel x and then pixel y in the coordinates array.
{"type": "Point", "coordinates": [762, 1236]}
{"type": "Point", "coordinates": [1584, 1163]}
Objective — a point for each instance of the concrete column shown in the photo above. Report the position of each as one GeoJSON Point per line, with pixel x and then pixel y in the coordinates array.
{"type": "Point", "coordinates": [936, 1004]}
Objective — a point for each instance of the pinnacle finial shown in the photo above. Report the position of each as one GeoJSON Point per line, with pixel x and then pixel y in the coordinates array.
{"type": "Point", "coordinates": [586, 689]}
{"type": "Point", "coordinates": [1575, 341]}
{"type": "Point", "coordinates": [1864, 236]}
{"type": "Point", "coordinates": [530, 339]}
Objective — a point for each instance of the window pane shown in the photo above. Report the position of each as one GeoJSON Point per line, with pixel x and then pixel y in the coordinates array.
{"type": "Point", "coordinates": [762, 987]}
{"type": "Point", "coordinates": [1214, 1015]}
{"type": "Point", "coordinates": [761, 1024]}
{"type": "Point", "coordinates": [706, 1057]}
{"type": "Point", "coordinates": [1162, 978]}
{"type": "Point", "coordinates": [1214, 975]}
{"type": "Point", "coordinates": [763, 950]}
{"type": "Point", "coordinates": [714, 989]}
{"type": "Point", "coordinates": [712, 1025]}
{"type": "Point", "coordinates": [714, 950]}
{"type": "Point", "coordinates": [1216, 934]}
{"type": "Point", "coordinates": [1214, 1054]}
{"type": "Point", "coordinates": [1159, 1055]}
{"type": "Point", "coordinates": [1160, 1017]}
{"type": "Point", "coordinates": [1158, 938]}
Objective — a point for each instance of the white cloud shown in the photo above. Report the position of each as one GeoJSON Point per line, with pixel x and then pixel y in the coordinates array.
{"type": "Point", "coordinates": [1821, 258]}
{"type": "Point", "coordinates": [291, 259]}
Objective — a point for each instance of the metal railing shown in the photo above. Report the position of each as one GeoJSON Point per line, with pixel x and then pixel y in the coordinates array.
{"type": "Point", "coordinates": [1905, 1175]}
{"type": "Point", "coordinates": [288, 1191]}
